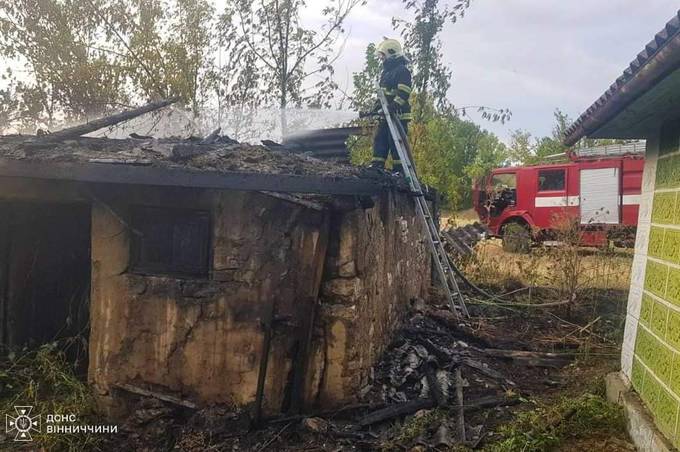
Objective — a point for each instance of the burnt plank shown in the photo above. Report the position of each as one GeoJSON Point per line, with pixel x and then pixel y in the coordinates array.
{"type": "Point", "coordinates": [394, 411]}
{"type": "Point", "coordinates": [308, 310]}
{"type": "Point", "coordinates": [107, 121]}
{"type": "Point", "coordinates": [180, 177]}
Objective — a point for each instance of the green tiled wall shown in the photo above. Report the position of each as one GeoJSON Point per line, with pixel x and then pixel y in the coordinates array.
{"type": "Point", "coordinates": [668, 172]}
{"type": "Point", "coordinates": [656, 365]}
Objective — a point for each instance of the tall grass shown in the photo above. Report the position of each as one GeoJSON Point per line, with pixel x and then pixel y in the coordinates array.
{"type": "Point", "coordinates": [44, 379]}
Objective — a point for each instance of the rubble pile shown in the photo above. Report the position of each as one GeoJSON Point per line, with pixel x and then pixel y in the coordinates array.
{"type": "Point", "coordinates": [460, 241]}
{"type": "Point", "coordinates": [429, 366]}
{"type": "Point", "coordinates": [213, 153]}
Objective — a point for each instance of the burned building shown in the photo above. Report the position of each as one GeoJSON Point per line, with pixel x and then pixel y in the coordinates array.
{"type": "Point", "coordinates": [201, 272]}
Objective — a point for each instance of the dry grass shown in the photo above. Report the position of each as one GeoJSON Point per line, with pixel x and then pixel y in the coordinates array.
{"type": "Point", "coordinates": [601, 269]}
{"type": "Point", "coordinates": [44, 379]}
{"type": "Point", "coordinates": [458, 219]}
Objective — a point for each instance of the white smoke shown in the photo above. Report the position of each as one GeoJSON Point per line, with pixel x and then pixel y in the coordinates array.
{"type": "Point", "coordinates": [246, 126]}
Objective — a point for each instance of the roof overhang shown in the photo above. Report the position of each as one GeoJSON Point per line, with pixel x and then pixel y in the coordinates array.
{"type": "Point", "coordinates": [181, 177]}
{"type": "Point", "coordinates": [647, 93]}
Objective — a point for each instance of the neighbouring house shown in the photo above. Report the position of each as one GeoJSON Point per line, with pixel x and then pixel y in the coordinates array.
{"type": "Point", "coordinates": [205, 273]}
{"type": "Point", "coordinates": [644, 103]}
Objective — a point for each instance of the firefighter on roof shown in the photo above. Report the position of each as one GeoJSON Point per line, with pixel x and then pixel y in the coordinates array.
{"type": "Point", "coordinates": [395, 81]}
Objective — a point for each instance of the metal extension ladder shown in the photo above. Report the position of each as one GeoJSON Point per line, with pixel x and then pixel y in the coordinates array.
{"type": "Point", "coordinates": [446, 275]}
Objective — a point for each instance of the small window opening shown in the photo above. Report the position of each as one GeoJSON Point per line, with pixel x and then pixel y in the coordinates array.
{"type": "Point", "coordinates": [172, 242]}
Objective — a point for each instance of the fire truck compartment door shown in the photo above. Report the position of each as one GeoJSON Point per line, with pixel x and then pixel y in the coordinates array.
{"type": "Point", "coordinates": [600, 198]}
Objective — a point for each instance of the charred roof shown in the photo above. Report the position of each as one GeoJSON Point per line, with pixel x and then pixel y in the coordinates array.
{"type": "Point", "coordinates": [216, 163]}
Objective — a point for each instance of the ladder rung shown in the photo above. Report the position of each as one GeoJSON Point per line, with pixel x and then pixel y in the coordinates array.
{"type": "Point", "coordinates": [450, 284]}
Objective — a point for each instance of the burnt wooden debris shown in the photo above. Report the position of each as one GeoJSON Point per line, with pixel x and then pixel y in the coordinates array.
{"type": "Point", "coordinates": [157, 395]}
{"type": "Point", "coordinates": [461, 241]}
{"type": "Point", "coordinates": [215, 161]}
{"type": "Point", "coordinates": [429, 366]}
{"type": "Point", "coordinates": [107, 121]}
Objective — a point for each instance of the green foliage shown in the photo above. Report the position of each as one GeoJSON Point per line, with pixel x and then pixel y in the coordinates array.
{"type": "Point", "coordinates": [432, 76]}
{"type": "Point", "coordinates": [412, 428]}
{"type": "Point", "coordinates": [273, 37]}
{"type": "Point", "coordinates": [361, 148]}
{"type": "Point", "coordinates": [363, 98]}
{"type": "Point", "coordinates": [545, 428]}
{"type": "Point", "coordinates": [86, 58]}
{"type": "Point", "coordinates": [449, 152]}
{"type": "Point", "coordinates": [44, 379]}
{"type": "Point", "coordinates": [525, 150]}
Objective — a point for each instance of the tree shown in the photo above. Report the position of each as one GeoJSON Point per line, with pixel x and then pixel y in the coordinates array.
{"type": "Point", "coordinates": [87, 58]}
{"type": "Point", "coordinates": [364, 96]}
{"type": "Point", "coordinates": [9, 106]}
{"type": "Point", "coordinates": [67, 75]}
{"type": "Point", "coordinates": [522, 148]}
{"type": "Point", "coordinates": [450, 152]}
{"type": "Point", "coordinates": [431, 75]}
{"type": "Point", "coordinates": [553, 145]}
{"type": "Point", "coordinates": [421, 40]}
{"type": "Point", "coordinates": [175, 41]}
{"type": "Point", "coordinates": [166, 44]}
{"type": "Point", "coordinates": [526, 150]}
{"type": "Point", "coordinates": [281, 46]}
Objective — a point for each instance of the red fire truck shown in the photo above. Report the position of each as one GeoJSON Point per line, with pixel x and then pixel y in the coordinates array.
{"type": "Point", "coordinates": [599, 187]}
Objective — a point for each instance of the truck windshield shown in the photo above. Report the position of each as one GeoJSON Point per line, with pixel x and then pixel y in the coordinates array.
{"type": "Point", "coordinates": [501, 181]}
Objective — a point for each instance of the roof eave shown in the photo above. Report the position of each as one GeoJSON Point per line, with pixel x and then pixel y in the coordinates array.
{"type": "Point", "coordinates": [660, 58]}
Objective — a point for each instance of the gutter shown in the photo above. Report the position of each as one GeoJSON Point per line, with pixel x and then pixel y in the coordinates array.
{"type": "Point", "coordinates": [622, 94]}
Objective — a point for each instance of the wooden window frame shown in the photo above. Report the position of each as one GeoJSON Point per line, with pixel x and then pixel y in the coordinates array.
{"type": "Point", "coordinates": [146, 218]}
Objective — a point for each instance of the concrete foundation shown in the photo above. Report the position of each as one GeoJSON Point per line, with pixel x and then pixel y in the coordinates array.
{"type": "Point", "coordinates": [640, 424]}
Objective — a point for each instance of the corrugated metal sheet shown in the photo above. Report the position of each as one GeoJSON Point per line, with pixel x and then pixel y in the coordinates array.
{"type": "Point", "coordinates": [325, 144]}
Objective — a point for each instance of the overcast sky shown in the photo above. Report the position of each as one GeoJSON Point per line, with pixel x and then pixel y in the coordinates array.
{"type": "Point", "coordinates": [531, 56]}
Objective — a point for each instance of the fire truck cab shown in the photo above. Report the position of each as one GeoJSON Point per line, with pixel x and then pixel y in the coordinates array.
{"type": "Point", "coordinates": [603, 194]}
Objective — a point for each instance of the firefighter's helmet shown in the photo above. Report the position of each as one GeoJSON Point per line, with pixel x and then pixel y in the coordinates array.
{"type": "Point", "coordinates": [391, 48]}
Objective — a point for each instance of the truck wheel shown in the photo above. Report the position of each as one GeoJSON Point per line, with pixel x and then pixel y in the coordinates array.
{"type": "Point", "coordinates": [516, 238]}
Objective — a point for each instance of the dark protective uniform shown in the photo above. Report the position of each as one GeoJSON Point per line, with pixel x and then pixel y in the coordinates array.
{"type": "Point", "coordinates": [395, 82]}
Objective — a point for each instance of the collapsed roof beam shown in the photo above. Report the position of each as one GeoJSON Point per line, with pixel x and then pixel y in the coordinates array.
{"type": "Point", "coordinates": [180, 177]}
{"type": "Point", "coordinates": [107, 121]}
